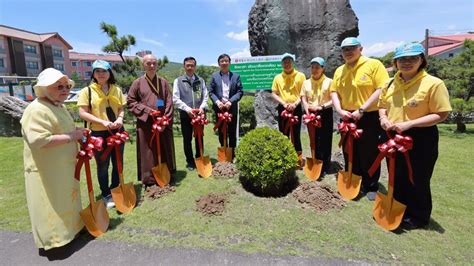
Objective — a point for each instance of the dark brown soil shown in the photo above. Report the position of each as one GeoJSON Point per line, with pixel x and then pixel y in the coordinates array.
{"type": "Point", "coordinates": [156, 192]}
{"type": "Point", "coordinates": [224, 169]}
{"type": "Point", "coordinates": [319, 196]}
{"type": "Point", "coordinates": [211, 204]}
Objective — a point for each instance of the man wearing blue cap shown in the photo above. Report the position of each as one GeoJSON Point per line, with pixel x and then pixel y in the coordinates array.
{"type": "Point", "coordinates": [286, 90]}
{"type": "Point", "coordinates": [354, 92]}
{"type": "Point", "coordinates": [316, 98]}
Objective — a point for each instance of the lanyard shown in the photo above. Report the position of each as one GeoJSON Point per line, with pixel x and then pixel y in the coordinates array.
{"type": "Point", "coordinates": [152, 85]}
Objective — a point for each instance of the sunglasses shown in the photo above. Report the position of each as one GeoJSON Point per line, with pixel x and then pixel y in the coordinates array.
{"type": "Point", "coordinates": [62, 87]}
{"type": "Point", "coordinates": [349, 48]}
{"type": "Point", "coordinates": [409, 59]}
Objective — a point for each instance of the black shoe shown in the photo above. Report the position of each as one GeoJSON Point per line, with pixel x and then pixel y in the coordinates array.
{"type": "Point", "coordinates": [411, 224]}
{"type": "Point", "coordinates": [190, 167]}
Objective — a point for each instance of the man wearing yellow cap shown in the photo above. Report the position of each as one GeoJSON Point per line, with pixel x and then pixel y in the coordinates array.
{"type": "Point", "coordinates": [286, 90]}
{"type": "Point", "coordinates": [354, 92]}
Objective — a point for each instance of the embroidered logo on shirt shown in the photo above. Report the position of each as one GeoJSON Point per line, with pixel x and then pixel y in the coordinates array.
{"type": "Point", "coordinates": [412, 103]}
{"type": "Point", "coordinates": [363, 78]}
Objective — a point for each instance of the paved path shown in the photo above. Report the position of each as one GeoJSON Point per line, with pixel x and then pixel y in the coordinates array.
{"type": "Point", "coordinates": [19, 249]}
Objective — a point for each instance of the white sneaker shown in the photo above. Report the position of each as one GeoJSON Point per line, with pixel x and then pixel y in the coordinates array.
{"type": "Point", "coordinates": [109, 202]}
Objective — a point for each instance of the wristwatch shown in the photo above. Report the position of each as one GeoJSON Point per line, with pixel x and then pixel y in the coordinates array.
{"type": "Point", "coordinates": [361, 111]}
{"type": "Point", "coordinates": [322, 107]}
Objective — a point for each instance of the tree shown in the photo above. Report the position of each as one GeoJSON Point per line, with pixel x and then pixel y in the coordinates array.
{"type": "Point", "coordinates": [458, 74]}
{"type": "Point", "coordinates": [128, 71]}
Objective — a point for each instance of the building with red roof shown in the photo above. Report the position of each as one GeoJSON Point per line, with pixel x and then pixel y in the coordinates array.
{"type": "Point", "coordinates": [447, 46]}
{"type": "Point", "coordinates": [25, 53]}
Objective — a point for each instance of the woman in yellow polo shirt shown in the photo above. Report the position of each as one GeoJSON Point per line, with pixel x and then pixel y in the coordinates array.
{"type": "Point", "coordinates": [101, 104]}
{"type": "Point", "coordinates": [286, 89]}
{"type": "Point", "coordinates": [316, 99]}
{"type": "Point", "coordinates": [412, 104]}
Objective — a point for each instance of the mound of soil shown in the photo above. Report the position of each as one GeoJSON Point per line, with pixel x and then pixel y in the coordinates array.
{"type": "Point", "coordinates": [318, 196]}
{"type": "Point", "coordinates": [211, 204]}
{"type": "Point", "coordinates": [224, 169]}
{"type": "Point", "coordinates": [156, 192]}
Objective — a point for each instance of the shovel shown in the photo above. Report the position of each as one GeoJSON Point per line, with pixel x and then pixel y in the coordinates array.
{"type": "Point", "coordinates": [388, 212]}
{"type": "Point", "coordinates": [203, 163]}
{"type": "Point", "coordinates": [313, 166]}
{"type": "Point", "coordinates": [160, 171]}
{"type": "Point", "coordinates": [224, 154]}
{"type": "Point", "coordinates": [348, 183]}
{"type": "Point", "coordinates": [94, 216]}
{"type": "Point", "coordinates": [124, 195]}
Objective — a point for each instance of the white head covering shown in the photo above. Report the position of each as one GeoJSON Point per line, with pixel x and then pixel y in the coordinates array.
{"type": "Point", "coordinates": [48, 77]}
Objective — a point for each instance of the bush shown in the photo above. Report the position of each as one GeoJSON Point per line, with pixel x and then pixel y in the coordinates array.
{"type": "Point", "coordinates": [267, 161]}
{"type": "Point", "coordinates": [74, 111]}
{"type": "Point", "coordinates": [247, 113]}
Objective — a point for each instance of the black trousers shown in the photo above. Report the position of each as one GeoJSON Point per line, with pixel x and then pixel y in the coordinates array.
{"type": "Point", "coordinates": [103, 166]}
{"type": "Point", "coordinates": [187, 132]}
{"type": "Point", "coordinates": [365, 150]}
{"type": "Point", "coordinates": [296, 128]}
{"type": "Point", "coordinates": [323, 138]}
{"type": "Point", "coordinates": [423, 157]}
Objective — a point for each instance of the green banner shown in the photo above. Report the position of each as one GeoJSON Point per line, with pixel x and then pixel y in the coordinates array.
{"type": "Point", "coordinates": [257, 73]}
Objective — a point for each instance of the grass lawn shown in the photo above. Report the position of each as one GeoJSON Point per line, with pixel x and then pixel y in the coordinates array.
{"type": "Point", "coordinates": [278, 226]}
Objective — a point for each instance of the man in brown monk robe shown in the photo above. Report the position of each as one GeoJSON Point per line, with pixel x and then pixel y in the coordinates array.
{"type": "Point", "coordinates": [147, 94]}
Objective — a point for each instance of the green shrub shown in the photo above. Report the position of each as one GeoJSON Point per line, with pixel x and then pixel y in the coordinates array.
{"type": "Point", "coordinates": [247, 113]}
{"type": "Point", "coordinates": [74, 111]}
{"type": "Point", "coordinates": [267, 161]}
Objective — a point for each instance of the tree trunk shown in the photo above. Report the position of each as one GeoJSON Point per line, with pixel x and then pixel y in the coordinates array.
{"type": "Point", "coordinates": [460, 125]}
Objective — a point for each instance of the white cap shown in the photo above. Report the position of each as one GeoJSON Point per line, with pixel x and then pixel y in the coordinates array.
{"type": "Point", "coordinates": [48, 77]}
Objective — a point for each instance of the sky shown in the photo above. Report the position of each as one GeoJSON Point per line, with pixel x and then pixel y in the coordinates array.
{"type": "Point", "coordinates": [206, 28]}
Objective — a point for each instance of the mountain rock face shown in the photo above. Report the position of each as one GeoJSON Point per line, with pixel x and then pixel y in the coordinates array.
{"type": "Point", "coordinates": [306, 28]}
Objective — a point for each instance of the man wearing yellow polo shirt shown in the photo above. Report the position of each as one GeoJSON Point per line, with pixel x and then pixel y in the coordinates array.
{"type": "Point", "coordinates": [355, 90]}
{"type": "Point", "coordinates": [286, 89]}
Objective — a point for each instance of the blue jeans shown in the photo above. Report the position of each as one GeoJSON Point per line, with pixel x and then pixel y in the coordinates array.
{"type": "Point", "coordinates": [103, 166]}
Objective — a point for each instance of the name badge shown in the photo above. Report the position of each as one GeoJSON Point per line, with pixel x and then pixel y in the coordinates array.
{"type": "Point", "coordinates": [160, 103]}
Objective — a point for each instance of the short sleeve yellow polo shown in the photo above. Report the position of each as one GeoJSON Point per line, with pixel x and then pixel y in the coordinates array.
{"type": "Point", "coordinates": [100, 101]}
{"type": "Point", "coordinates": [288, 86]}
{"type": "Point", "coordinates": [356, 84]}
{"type": "Point", "coordinates": [427, 95]}
{"type": "Point", "coordinates": [316, 91]}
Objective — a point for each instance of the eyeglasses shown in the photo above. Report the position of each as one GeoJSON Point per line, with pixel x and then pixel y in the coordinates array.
{"type": "Point", "coordinates": [409, 59]}
{"type": "Point", "coordinates": [62, 87]}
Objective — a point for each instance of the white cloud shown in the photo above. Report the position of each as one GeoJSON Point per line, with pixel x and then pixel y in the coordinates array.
{"type": "Point", "coordinates": [242, 36]}
{"type": "Point", "coordinates": [452, 27]}
{"type": "Point", "coordinates": [151, 41]}
{"type": "Point", "coordinates": [242, 53]}
{"type": "Point", "coordinates": [240, 23]}
{"type": "Point", "coordinates": [85, 47]}
{"type": "Point", "coordinates": [380, 48]}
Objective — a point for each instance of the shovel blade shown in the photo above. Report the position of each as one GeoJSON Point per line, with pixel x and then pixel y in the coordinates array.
{"type": "Point", "coordinates": [312, 168]}
{"type": "Point", "coordinates": [124, 197]}
{"type": "Point", "coordinates": [388, 212]}
{"type": "Point", "coordinates": [161, 174]}
{"type": "Point", "coordinates": [203, 166]}
{"type": "Point", "coordinates": [96, 218]}
{"type": "Point", "coordinates": [348, 184]}
{"type": "Point", "coordinates": [224, 154]}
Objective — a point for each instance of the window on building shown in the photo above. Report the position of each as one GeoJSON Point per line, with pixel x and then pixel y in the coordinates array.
{"type": "Point", "coordinates": [59, 67]}
{"type": "Point", "coordinates": [57, 53]}
{"type": "Point", "coordinates": [87, 63]}
{"type": "Point", "coordinates": [31, 65]}
{"type": "Point", "coordinates": [29, 49]}
{"type": "Point", "coordinates": [87, 74]}
{"type": "Point", "coordinates": [2, 63]}
{"type": "Point", "coordinates": [74, 63]}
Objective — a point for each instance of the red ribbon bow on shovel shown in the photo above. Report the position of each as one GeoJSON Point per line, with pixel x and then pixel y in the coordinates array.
{"type": "Point", "coordinates": [388, 149]}
{"type": "Point", "coordinates": [222, 120]}
{"type": "Point", "coordinates": [290, 120]}
{"type": "Point", "coordinates": [159, 124]}
{"type": "Point", "coordinates": [312, 119]}
{"type": "Point", "coordinates": [349, 132]}
{"type": "Point", "coordinates": [114, 141]}
{"type": "Point", "coordinates": [88, 149]}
